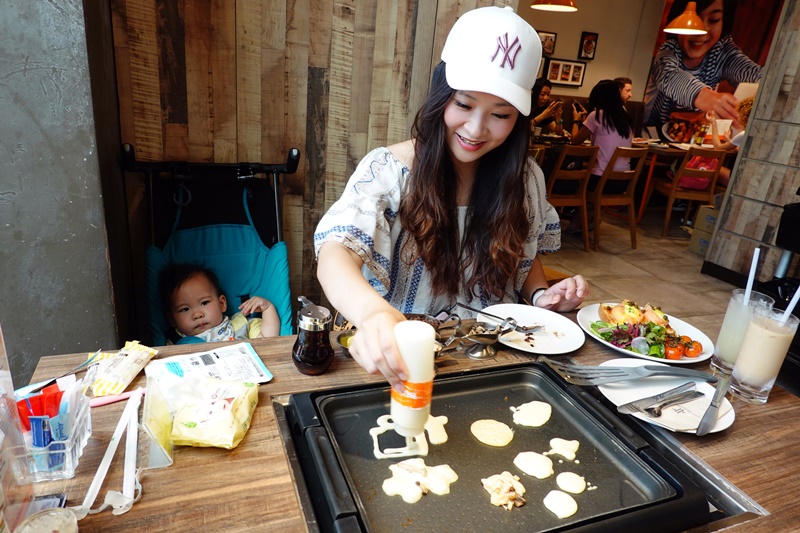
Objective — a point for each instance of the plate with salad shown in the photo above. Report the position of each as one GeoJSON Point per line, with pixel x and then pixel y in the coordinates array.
{"type": "Point", "coordinates": [671, 340]}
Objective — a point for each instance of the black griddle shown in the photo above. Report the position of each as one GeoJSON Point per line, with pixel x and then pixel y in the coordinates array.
{"type": "Point", "coordinates": [635, 486]}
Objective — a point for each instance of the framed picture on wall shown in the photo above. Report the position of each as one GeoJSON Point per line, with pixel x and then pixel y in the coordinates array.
{"type": "Point", "coordinates": [542, 63]}
{"type": "Point", "coordinates": [565, 72]}
{"type": "Point", "coordinates": [588, 45]}
{"type": "Point", "coordinates": [548, 42]}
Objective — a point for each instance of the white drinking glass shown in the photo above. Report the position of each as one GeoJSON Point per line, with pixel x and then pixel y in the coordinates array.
{"type": "Point", "coordinates": [737, 316]}
{"type": "Point", "coordinates": [764, 347]}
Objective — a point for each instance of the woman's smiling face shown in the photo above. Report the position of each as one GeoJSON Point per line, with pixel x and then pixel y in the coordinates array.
{"type": "Point", "coordinates": [695, 47]}
{"type": "Point", "coordinates": [477, 123]}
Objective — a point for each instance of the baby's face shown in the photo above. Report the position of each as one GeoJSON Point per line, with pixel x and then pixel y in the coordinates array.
{"type": "Point", "coordinates": [196, 306]}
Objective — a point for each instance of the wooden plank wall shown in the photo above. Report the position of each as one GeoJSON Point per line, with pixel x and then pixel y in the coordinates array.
{"type": "Point", "coordinates": [246, 80]}
{"type": "Point", "coordinates": [767, 174]}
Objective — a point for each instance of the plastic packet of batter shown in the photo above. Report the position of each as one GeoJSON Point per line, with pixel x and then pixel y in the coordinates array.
{"type": "Point", "coordinates": [213, 412]}
{"type": "Point", "coordinates": [117, 371]}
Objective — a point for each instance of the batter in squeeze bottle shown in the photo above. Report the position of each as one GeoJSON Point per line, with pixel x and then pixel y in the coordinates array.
{"type": "Point", "coordinates": [410, 409]}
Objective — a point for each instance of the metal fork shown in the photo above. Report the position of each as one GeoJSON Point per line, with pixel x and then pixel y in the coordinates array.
{"type": "Point", "coordinates": [504, 322]}
{"type": "Point", "coordinates": [599, 375]}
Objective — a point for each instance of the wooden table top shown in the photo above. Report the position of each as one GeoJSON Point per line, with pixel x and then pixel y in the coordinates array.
{"type": "Point", "coordinates": [251, 488]}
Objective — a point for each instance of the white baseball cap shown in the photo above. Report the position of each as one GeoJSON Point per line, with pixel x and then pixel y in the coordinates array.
{"type": "Point", "coordinates": [493, 50]}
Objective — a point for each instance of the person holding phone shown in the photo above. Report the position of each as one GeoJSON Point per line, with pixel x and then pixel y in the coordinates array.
{"type": "Point", "coordinates": [546, 113]}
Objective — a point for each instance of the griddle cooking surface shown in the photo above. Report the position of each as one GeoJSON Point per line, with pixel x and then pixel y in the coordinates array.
{"type": "Point", "coordinates": [623, 481]}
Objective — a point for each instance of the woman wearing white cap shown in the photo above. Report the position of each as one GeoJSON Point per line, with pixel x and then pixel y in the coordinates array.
{"type": "Point", "coordinates": [458, 212]}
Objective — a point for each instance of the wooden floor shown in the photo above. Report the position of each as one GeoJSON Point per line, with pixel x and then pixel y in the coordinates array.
{"type": "Point", "coordinates": [660, 271]}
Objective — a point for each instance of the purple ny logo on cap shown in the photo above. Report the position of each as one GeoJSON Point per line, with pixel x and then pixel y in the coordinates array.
{"type": "Point", "coordinates": [509, 52]}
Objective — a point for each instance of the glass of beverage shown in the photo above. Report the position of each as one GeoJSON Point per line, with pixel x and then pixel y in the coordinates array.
{"type": "Point", "coordinates": [733, 327]}
{"type": "Point", "coordinates": [764, 347]}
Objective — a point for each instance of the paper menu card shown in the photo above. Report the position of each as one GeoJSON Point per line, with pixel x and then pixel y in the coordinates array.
{"type": "Point", "coordinates": [235, 362]}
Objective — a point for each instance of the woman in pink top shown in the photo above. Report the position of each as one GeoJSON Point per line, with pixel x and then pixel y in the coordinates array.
{"type": "Point", "coordinates": [608, 126]}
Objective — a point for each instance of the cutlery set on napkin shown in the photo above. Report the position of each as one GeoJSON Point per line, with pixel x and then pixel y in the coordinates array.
{"type": "Point", "coordinates": [679, 400]}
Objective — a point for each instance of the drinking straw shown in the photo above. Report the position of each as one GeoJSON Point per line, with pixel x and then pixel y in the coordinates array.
{"type": "Point", "coordinates": [751, 277]}
{"type": "Point", "coordinates": [790, 307]}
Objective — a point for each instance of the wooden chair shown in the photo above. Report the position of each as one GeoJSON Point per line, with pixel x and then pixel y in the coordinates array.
{"type": "Point", "coordinates": [673, 192]}
{"type": "Point", "coordinates": [580, 160]}
{"type": "Point", "coordinates": [537, 152]}
{"type": "Point", "coordinates": [598, 198]}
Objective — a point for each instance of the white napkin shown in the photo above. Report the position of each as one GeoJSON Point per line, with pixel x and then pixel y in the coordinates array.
{"type": "Point", "coordinates": [686, 416]}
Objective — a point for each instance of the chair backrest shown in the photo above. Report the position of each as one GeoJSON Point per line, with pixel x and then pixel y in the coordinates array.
{"type": "Point", "coordinates": [636, 158]}
{"type": "Point", "coordinates": [574, 164]}
{"type": "Point", "coordinates": [695, 179]}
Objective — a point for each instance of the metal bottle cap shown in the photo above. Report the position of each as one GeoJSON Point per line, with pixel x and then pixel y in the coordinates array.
{"type": "Point", "coordinates": [310, 321]}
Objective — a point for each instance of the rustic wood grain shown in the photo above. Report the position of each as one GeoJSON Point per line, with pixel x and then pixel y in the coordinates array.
{"type": "Point", "coordinates": [145, 85]}
{"type": "Point", "coordinates": [223, 77]}
{"type": "Point", "coordinates": [248, 79]}
{"type": "Point", "coordinates": [199, 79]}
{"type": "Point", "coordinates": [217, 490]}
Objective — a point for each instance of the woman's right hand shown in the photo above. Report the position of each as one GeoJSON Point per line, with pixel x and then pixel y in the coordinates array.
{"type": "Point", "coordinates": [374, 348]}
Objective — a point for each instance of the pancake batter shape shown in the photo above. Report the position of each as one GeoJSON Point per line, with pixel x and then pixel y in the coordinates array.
{"type": "Point", "coordinates": [492, 432]}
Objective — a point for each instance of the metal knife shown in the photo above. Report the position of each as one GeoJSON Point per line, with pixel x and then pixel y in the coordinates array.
{"type": "Point", "coordinates": [643, 403]}
{"type": "Point", "coordinates": [710, 416]}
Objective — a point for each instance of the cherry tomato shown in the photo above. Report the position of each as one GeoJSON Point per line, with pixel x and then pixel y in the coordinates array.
{"type": "Point", "coordinates": [673, 348]}
{"type": "Point", "coordinates": [694, 349]}
{"type": "Point", "coordinates": [686, 339]}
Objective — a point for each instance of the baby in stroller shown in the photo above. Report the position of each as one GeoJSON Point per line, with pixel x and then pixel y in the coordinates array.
{"type": "Point", "coordinates": [195, 306]}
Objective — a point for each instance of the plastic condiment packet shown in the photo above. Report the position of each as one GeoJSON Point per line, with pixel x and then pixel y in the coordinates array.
{"type": "Point", "coordinates": [120, 370]}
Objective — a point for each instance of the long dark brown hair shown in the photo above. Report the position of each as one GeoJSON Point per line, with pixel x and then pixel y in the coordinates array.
{"type": "Point", "coordinates": [605, 97]}
{"type": "Point", "coordinates": [497, 224]}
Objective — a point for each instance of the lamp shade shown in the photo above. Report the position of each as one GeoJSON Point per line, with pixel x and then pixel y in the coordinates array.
{"type": "Point", "coordinates": [554, 5]}
{"type": "Point", "coordinates": [687, 23]}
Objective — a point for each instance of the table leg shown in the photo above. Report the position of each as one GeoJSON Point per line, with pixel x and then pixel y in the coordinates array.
{"type": "Point", "coordinates": [647, 185]}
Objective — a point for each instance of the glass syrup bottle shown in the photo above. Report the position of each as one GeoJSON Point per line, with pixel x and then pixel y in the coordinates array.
{"type": "Point", "coordinates": [312, 352]}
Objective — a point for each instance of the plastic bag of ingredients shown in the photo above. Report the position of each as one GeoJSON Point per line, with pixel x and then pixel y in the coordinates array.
{"type": "Point", "coordinates": [214, 413]}
{"type": "Point", "coordinates": [118, 370]}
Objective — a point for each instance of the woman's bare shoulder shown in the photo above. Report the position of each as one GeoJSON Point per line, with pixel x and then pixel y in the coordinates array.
{"type": "Point", "coordinates": [404, 152]}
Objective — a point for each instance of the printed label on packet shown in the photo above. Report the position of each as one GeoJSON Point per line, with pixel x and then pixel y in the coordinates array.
{"type": "Point", "coordinates": [414, 395]}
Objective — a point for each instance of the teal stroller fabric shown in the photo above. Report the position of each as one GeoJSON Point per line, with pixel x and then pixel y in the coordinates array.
{"type": "Point", "coordinates": [244, 265]}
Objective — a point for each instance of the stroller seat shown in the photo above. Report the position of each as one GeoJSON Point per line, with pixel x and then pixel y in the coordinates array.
{"type": "Point", "coordinates": [236, 252]}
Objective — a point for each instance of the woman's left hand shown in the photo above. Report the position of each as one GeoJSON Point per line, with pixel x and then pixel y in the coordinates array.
{"type": "Point", "coordinates": [565, 295]}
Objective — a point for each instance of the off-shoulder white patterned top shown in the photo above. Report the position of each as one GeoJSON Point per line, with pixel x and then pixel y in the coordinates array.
{"type": "Point", "coordinates": [365, 219]}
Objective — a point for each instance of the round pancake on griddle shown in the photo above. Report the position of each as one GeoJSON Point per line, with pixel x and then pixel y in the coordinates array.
{"type": "Point", "coordinates": [492, 432]}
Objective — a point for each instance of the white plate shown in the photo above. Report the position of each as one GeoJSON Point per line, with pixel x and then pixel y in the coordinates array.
{"type": "Point", "coordinates": [559, 335]}
{"type": "Point", "coordinates": [664, 129]}
{"type": "Point", "coordinates": [686, 146]}
{"type": "Point", "coordinates": [588, 314]}
{"type": "Point", "coordinates": [628, 391]}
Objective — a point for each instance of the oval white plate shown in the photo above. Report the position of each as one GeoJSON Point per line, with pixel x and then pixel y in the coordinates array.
{"type": "Point", "coordinates": [628, 391]}
{"type": "Point", "coordinates": [588, 314]}
{"type": "Point", "coordinates": [559, 335]}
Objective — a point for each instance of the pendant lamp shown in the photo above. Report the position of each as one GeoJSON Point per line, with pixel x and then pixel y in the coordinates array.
{"type": "Point", "coordinates": [687, 23]}
{"type": "Point", "coordinates": [554, 5]}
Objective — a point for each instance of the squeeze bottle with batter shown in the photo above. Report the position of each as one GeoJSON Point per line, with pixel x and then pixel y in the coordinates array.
{"type": "Point", "coordinates": [410, 409]}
